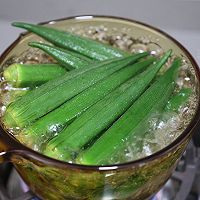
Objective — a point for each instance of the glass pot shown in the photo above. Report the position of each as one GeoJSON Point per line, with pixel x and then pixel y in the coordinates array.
{"type": "Point", "coordinates": [53, 179]}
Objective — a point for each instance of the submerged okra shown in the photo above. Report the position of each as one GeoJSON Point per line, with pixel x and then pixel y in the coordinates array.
{"type": "Point", "coordinates": [101, 115]}
{"type": "Point", "coordinates": [112, 141]}
{"type": "Point", "coordinates": [178, 99]}
{"type": "Point", "coordinates": [85, 46]}
{"type": "Point", "coordinates": [30, 75]}
{"type": "Point", "coordinates": [69, 59]}
{"type": "Point", "coordinates": [55, 120]}
{"type": "Point", "coordinates": [52, 94]}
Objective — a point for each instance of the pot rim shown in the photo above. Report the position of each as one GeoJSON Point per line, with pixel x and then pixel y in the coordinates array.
{"type": "Point", "coordinates": [29, 153]}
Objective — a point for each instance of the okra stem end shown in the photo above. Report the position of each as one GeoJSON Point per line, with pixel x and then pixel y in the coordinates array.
{"type": "Point", "coordinates": [9, 120]}
{"type": "Point", "coordinates": [11, 73]}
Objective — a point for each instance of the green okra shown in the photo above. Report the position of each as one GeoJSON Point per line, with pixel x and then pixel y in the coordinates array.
{"type": "Point", "coordinates": [101, 115]}
{"type": "Point", "coordinates": [112, 141]}
{"type": "Point", "coordinates": [31, 75]}
{"type": "Point", "coordinates": [68, 59]}
{"type": "Point", "coordinates": [52, 94]}
{"type": "Point", "coordinates": [84, 46]}
{"type": "Point", "coordinates": [175, 102]}
{"type": "Point", "coordinates": [178, 99]}
{"type": "Point", "coordinates": [55, 120]}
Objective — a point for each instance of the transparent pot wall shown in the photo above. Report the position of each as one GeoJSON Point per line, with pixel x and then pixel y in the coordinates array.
{"type": "Point", "coordinates": [137, 182]}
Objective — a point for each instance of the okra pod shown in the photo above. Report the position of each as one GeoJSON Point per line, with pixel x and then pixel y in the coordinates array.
{"type": "Point", "coordinates": [84, 46]}
{"type": "Point", "coordinates": [178, 99]}
{"type": "Point", "coordinates": [31, 75]}
{"type": "Point", "coordinates": [51, 123]}
{"type": "Point", "coordinates": [69, 59]}
{"type": "Point", "coordinates": [52, 94]}
{"type": "Point", "coordinates": [112, 141]}
{"type": "Point", "coordinates": [101, 115]}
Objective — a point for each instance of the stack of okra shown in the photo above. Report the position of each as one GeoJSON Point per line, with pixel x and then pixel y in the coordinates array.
{"type": "Point", "coordinates": [88, 103]}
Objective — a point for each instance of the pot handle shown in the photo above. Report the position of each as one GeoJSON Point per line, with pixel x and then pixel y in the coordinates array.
{"type": "Point", "coordinates": [3, 153]}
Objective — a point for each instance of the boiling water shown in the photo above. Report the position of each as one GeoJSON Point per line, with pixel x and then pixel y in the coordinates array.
{"type": "Point", "coordinates": [162, 129]}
